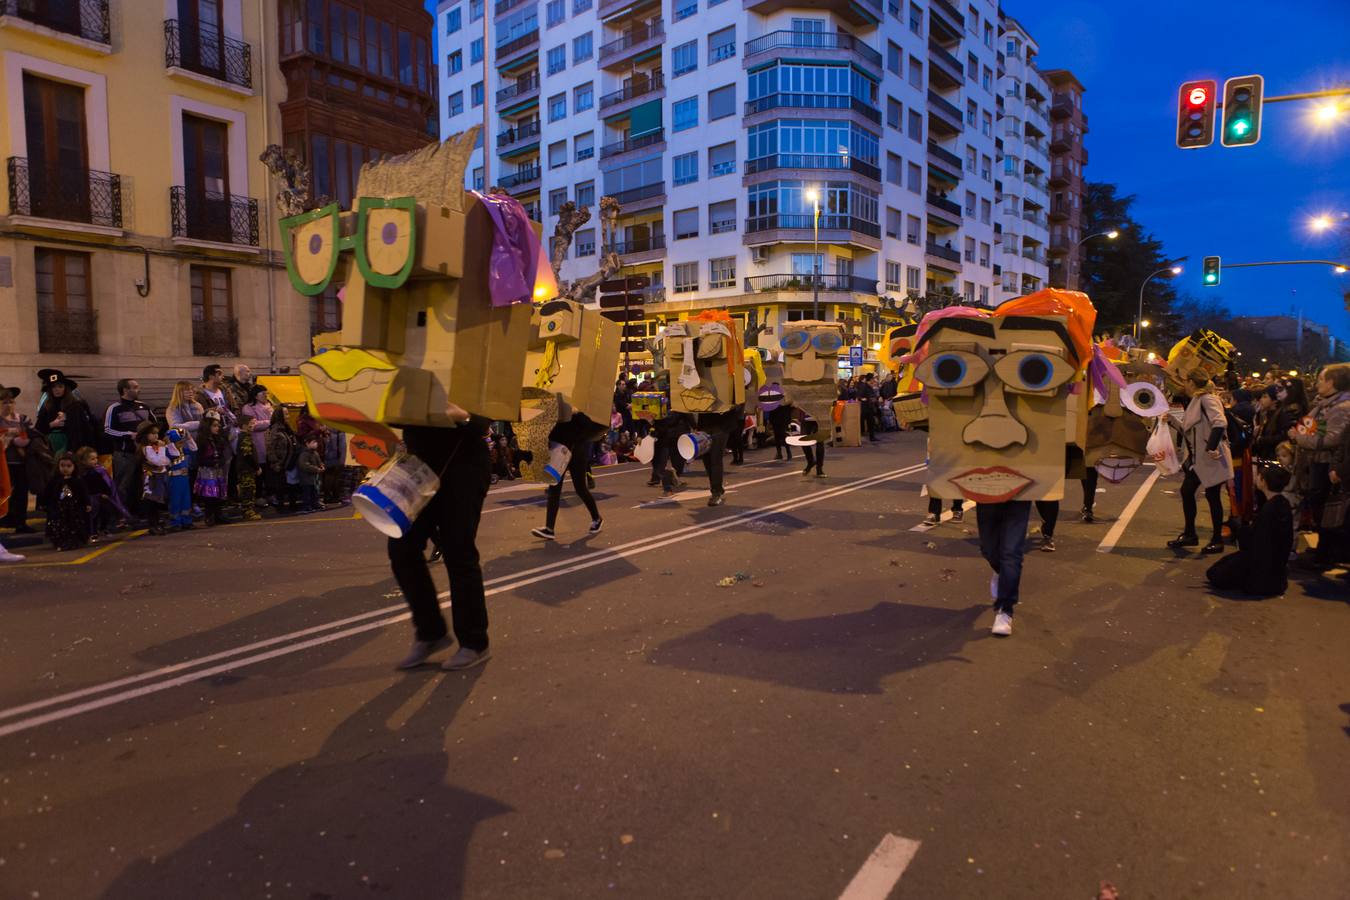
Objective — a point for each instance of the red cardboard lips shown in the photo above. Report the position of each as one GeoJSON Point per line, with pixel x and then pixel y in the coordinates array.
{"type": "Point", "coordinates": [993, 484]}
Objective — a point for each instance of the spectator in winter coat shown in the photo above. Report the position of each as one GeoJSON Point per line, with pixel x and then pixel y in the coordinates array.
{"type": "Point", "coordinates": [120, 422]}
{"type": "Point", "coordinates": [67, 506]}
{"type": "Point", "coordinates": [259, 409]}
{"type": "Point", "coordinates": [282, 448]}
{"type": "Point", "coordinates": [16, 430]}
{"type": "Point", "coordinates": [64, 418]}
{"type": "Point", "coordinates": [1318, 445]}
{"type": "Point", "coordinates": [310, 466]}
{"type": "Point", "coordinates": [1261, 565]}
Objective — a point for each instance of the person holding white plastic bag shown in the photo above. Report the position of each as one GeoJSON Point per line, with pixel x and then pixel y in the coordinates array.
{"type": "Point", "coordinates": [1206, 460]}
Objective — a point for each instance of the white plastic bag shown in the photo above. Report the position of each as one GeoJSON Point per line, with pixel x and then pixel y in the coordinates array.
{"type": "Point", "coordinates": [1162, 450]}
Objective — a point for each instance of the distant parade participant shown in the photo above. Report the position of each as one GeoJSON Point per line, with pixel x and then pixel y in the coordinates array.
{"type": "Point", "coordinates": [1206, 460]}
{"type": "Point", "coordinates": [572, 435]}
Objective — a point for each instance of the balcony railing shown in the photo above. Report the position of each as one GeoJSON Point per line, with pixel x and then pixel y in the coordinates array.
{"type": "Point", "coordinates": [199, 48]}
{"type": "Point", "coordinates": [208, 216]}
{"type": "Point", "coordinates": [71, 195]}
{"type": "Point", "coordinates": [942, 252]}
{"type": "Point", "coordinates": [633, 143]}
{"type": "Point", "coordinates": [934, 100]}
{"type": "Point", "coordinates": [215, 338]}
{"type": "Point", "coordinates": [505, 6]}
{"type": "Point", "coordinates": [645, 192]}
{"type": "Point", "coordinates": [522, 86]}
{"type": "Point", "coordinates": [519, 133]}
{"type": "Point", "coordinates": [812, 161]}
{"type": "Point", "coordinates": [639, 87]}
{"type": "Point", "coordinates": [86, 19]}
{"type": "Point", "coordinates": [946, 57]}
{"type": "Point", "coordinates": [812, 101]}
{"type": "Point", "coordinates": [641, 245]}
{"type": "Point", "coordinates": [67, 331]}
{"type": "Point", "coordinates": [855, 283]}
{"type": "Point", "coordinates": [944, 204]}
{"type": "Point", "coordinates": [807, 40]}
{"type": "Point", "coordinates": [531, 36]}
{"type": "Point", "coordinates": [519, 177]}
{"type": "Point", "coordinates": [1061, 106]}
{"type": "Point", "coordinates": [1034, 218]}
{"type": "Point", "coordinates": [828, 221]}
{"type": "Point", "coordinates": [631, 37]}
{"type": "Point", "coordinates": [945, 156]}
{"type": "Point", "coordinates": [1033, 255]}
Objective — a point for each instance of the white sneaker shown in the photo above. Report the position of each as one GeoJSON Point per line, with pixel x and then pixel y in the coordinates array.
{"type": "Point", "coordinates": [1002, 624]}
{"type": "Point", "coordinates": [6, 556]}
{"type": "Point", "coordinates": [421, 650]}
{"type": "Point", "coordinates": [465, 658]}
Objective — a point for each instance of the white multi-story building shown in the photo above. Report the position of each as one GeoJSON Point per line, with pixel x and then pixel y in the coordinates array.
{"type": "Point", "coordinates": [1024, 129]}
{"type": "Point", "coordinates": [716, 123]}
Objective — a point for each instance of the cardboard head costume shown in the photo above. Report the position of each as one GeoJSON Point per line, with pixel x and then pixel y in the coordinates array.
{"type": "Point", "coordinates": [1119, 426]}
{"type": "Point", "coordinates": [908, 405]}
{"type": "Point", "coordinates": [998, 385]}
{"type": "Point", "coordinates": [811, 369]}
{"type": "Point", "coordinates": [435, 301]}
{"type": "Point", "coordinates": [706, 363]}
{"type": "Point", "coordinates": [1202, 349]}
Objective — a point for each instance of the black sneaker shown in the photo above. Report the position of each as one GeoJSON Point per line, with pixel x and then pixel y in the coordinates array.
{"type": "Point", "coordinates": [1185, 540]}
{"type": "Point", "coordinates": [545, 534]}
{"type": "Point", "coordinates": [716, 499]}
{"type": "Point", "coordinates": [1047, 544]}
{"type": "Point", "coordinates": [654, 482]}
{"type": "Point", "coordinates": [1087, 516]}
{"type": "Point", "coordinates": [1212, 547]}
{"type": "Point", "coordinates": [595, 526]}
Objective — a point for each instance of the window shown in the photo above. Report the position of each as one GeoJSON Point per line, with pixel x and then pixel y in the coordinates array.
{"type": "Point", "coordinates": [987, 79]}
{"type": "Point", "coordinates": [584, 241]}
{"type": "Point", "coordinates": [721, 160]}
{"type": "Point", "coordinates": [970, 204]}
{"type": "Point", "coordinates": [555, 200]}
{"type": "Point", "coordinates": [1010, 165]}
{"type": "Point", "coordinates": [325, 311]}
{"type": "Point", "coordinates": [722, 272]}
{"type": "Point", "coordinates": [894, 113]}
{"type": "Point", "coordinates": [968, 292]}
{"type": "Point", "coordinates": [57, 152]}
{"type": "Point", "coordinates": [555, 11]}
{"type": "Point", "coordinates": [721, 102]}
{"type": "Point", "coordinates": [214, 330]}
{"type": "Point", "coordinates": [478, 178]}
{"type": "Point", "coordinates": [454, 63]}
{"type": "Point", "coordinates": [686, 277]}
{"type": "Point", "coordinates": [476, 50]}
{"type": "Point", "coordinates": [583, 97]}
{"type": "Point", "coordinates": [893, 270]}
{"type": "Point", "coordinates": [970, 250]}
{"type": "Point", "coordinates": [557, 154]}
{"type": "Point", "coordinates": [455, 104]}
{"type": "Point", "coordinates": [476, 94]}
{"type": "Point", "coordinates": [915, 177]}
{"type": "Point", "coordinates": [475, 10]}
{"type": "Point", "coordinates": [684, 168]}
{"type": "Point", "coordinates": [685, 223]}
{"type": "Point", "coordinates": [580, 6]}
{"type": "Point", "coordinates": [722, 217]}
{"type": "Point", "coordinates": [684, 9]}
{"type": "Point", "coordinates": [721, 45]}
{"type": "Point", "coordinates": [986, 168]}
{"type": "Point", "coordinates": [916, 126]}
{"type": "Point", "coordinates": [987, 124]}
{"type": "Point", "coordinates": [985, 209]}
{"type": "Point", "coordinates": [912, 228]}
{"type": "Point", "coordinates": [912, 276]}
{"type": "Point", "coordinates": [972, 67]}
{"type": "Point", "coordinates": [582, 48]}
{"type": "Point", "coordinates": [585, 194]}
{"type": "Point", "coordinates": [915, 72]}
{"type": "Point", "coordinates": [984, 295]}
{"type": "Point", "coordinates": [893, 169]}
{"type": "Point", "coordinates": [66, 322]}
{"type": "Point", "coordinates": [892, 222]}
{"type": "Point", "coordinates": [984, 254]}
{"type": "Point", "coordinates": [557, 107]}
{"type": "Point", "coordinates": [972, 20]}
{"type": "Point", "coordinates": [557, 60]}
{"type": "Point", "coordinates": [684, 58]}
{"type": "Point", "coordinates": [206, 177]}
{"type": "Point", "coordinates": [405, 57]}
{"type": "Point", "coordinates": [988, 35]}
{"type": "Point", "coordinates": [453, 20]}
{"type": "Point", "coordinates": [684, 114]}
{"type": "Point", "coordinates": [972, 112]}
{"type": "Point", "coordinates": [970, 159]}
{"type": "Point", "coordinates": [893, 56]}
{"type": "Point", "coordinates": [915, 19]}
{"type": "Point", "coordinates": [583, 146]}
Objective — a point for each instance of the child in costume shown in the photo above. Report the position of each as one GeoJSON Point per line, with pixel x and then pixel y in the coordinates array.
{"type": "Point", "coordinates": [154, 475]}
{"type": "Point", "coordinates": [67, 505]}
{"type": "Point", "coordinates": [212, 475]}
{"type": "Point", "coordinates": [246, 467]}
{"type": "Point", "coordinates": [106, 510]}
{"type": "Point", "coordinates": [180, 450]}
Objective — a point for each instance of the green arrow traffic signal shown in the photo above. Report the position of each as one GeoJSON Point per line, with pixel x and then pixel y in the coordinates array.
{"type": "Point", "coordinates": [1242, 110]}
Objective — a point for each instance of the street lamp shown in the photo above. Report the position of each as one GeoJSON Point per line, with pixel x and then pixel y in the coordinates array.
{"type": "Point", "coordinates": [1326, 113]}
{"type": "Point", "coordinates": [1109, 235]}
{"type": "Point", "coordinates": [1175, 270]}
{"type": "Point", "coordinates": [1145, 323]}
{"type": "Point", "coordinates": [813, 195]}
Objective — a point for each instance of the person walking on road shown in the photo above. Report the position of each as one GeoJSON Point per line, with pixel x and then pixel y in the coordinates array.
{"type": "Point", "coordinates": [569, 435]}
{"type": "Point", "coordinates": [1003, 538]}
{"type": "Point", "coordinates": [1206, 460]}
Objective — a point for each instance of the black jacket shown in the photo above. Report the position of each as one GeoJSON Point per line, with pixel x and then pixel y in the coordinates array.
{"type": "Point", "coordinates": [1266, 543]}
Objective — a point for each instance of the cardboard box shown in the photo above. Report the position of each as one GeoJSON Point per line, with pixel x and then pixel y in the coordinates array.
{"type": "Point", "coordinates": [585, 356]}
{"type": "Point", "coordinates": [707, 348]}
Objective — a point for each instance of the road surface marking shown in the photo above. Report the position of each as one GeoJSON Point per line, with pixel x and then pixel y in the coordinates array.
{"type": "Point", "coordinates": [945, 517]}
{"type": "Point", "coordinates": [882, 871]}
{"type": "Point", "coordinates": [1109, 542]}
{"type": "Point", "coordinates": [502, 585]}
{"type": "Point", "coordinates": [699, 495]}
{"type": "Point", "coordinates": [80, 560]}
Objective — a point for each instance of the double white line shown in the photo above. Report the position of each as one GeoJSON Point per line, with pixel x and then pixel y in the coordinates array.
{"type": "Point", "coordinates": [74, 703]}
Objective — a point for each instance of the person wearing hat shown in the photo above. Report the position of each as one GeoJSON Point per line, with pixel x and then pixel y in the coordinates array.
{"type": "Point", "coordinates": [63, 416]}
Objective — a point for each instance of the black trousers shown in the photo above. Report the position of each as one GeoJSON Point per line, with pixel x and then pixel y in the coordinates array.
{"type": "Point", "coordinates": [576, 467]}
{"type": "Point", "coordinates": [736, 444]}
{"type": "Point", "coordinates": [1048, 510]}
{"type": "Point", "coordinates": [453, 516]}
{"type": "Point", "coordinates": [778, 421]}
{"type": "Point", "coordinates": [713, 460]}
{"type": "Point", "coordinates": [1214, 495]}
{"type": "Point", "coordinates": [17, 517]}
{"type": "Point", "coordinates": [126, 470]}
{"type": "Point", "coordinates": [935, 506]}
{"type": "Point", "coordinates": [666, 452]}
{"type": "Point", "coordinates": [815, 456]}
{"type": "Point", "coordinates": [1090, 488]}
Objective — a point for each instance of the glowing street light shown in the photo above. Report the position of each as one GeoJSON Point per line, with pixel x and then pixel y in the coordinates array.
{"type": "Point", "coordinates": [1339, 270]}
{"type": "Point", "coordinates": [1320, 223]}
{"type": "Point", "coordinates": [1175, 270]}
{"type": "Point", "coordinates": [1145, 323]}
{"type": "Point", "coordinates": [1326, 113]}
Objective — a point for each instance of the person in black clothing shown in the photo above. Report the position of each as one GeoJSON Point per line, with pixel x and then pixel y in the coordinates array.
{"type": "Point", "coordinates": [868, 397]}
{"type": "Point", "coordinates": [779, 418]}
{"type": "Point", "coordinates": [623, 402]}
{"type": "Point", "coordinates": [460, 457]}
{"type": "Point", "coordinates": [1274, 418]}
{"type": "Point", "coordinates": [1261, 565]}
{"type": "Point", "coordinates": [67, 504]}
{"type": "Point", "coordinates": [64, 417]}
{"type": "Point", "coordinates": [667, 463]}
{"type": "Point", "coordinates": [577, 435]}
{"type": "Point", "coordinates": [120, 422]}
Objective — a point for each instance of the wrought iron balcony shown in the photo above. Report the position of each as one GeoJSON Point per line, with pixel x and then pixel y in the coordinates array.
{"type": "Point", "coordinates": [812, 101]}
{"type": "Point", "coordinates": [519, 133]}
{"type": "Point", "coordinates": [215, 338]}
{"type": "Point", "coordinates": [641, 245]}
{"type": "Point", "coordinates": [630, 38]}
{"type": "Point", "coordinates": [944, 155]}
{"type": "Point", "coordinates": [524, 39]}
{"type": "Point", "coordinates": [638, 88]}
{"type": "Point", "coordinates": [813, 161]}
{"type": "Point", "coordinates": [521, 86]}
{"type": "Point", "coordinates": [209, 216]}
{"type": "Point", "coordinates": [519, 177]}
{"type": "Point", "coordinates": [67, 331]}
{"type": "Point", "coordinates": [807, 40]}
{"type": "Point", "coordinates": [633, 143]}
{"type": "Point", "coordinates": [857, 284]}
{"type": "Point", "coordinates": [803, 222]}
{"type": "Point", "coordinates": [949, 109]}
{"type": "Point", "coordinates": [86, 19]}
{"type": "Point", "coordinates": [199, 48]}
{"type": "Point", "coordinates": [645, 192]}
{"type": "Point", "coordinates": [71, 195]}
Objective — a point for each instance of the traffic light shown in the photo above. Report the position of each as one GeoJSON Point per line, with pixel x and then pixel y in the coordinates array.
{"type": "Point", "coordinates": [1195, 114]}
{"type": "Point", "coordinates": [1242, 110]}
{"type": "Point", "coordinates": [1210, 275]}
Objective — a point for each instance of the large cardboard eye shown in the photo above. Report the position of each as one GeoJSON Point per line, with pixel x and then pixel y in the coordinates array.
{"type": "Point", "coordinates": [827, 342]}
{"type": "Point", "coordinates": [794, 342]}
{"type": "Point", "coordinates": [1033, 371]}
{"type": "Point", "coordinates": [386, 239]}
{"type": "Point", "coordinates": [1143, 399]}
{"type": "Point", "coordinates": [310, 245]}
{"type": "Point", "coordinates": [952, 370]}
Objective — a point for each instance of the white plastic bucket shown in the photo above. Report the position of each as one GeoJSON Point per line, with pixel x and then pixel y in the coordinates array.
{"type": "Point", "coordinates": [693, 445]}
{"type": "Point", "coordinates": [558, 458]}
{"type": "Point", "coordinates": [645, 450]}
{"type": "Point", "coordinates": [393, 495]}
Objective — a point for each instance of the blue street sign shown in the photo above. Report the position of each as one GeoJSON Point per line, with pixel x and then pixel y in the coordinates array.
{"type": "Point", "coordinates": [855, 356]}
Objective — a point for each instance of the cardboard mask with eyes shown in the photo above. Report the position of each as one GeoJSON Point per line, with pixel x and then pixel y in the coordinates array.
{"type": "Point", "coordinates": [810, 369]}
{"type": "Point", "coordinates": [1119, 427]}
{"type": "Point", "coordinates": [907, 404]}
{"type": "Point", "coordinates": [420, 334]}
{"type": "Point", "coordinates": [1202, 349]}
{"type": "Point", "coordinates": [707, 367]}
{"type": "Point", "coordinates": [998, 390]}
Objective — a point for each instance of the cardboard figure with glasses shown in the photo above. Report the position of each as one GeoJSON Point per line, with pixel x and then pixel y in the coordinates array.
{"type": "Point", "coordinates": [810, 380]}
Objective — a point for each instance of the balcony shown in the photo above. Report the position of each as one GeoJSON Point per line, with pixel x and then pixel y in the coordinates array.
{"type": "Point", "coordinates": [201, 50]}
{"type": "Point", "coordinates": [521, 180]}
{"type": "Point", "coordinates": [636, 40]}
{"type": "Point", "coordinates": [1059, 176]}
{"type": "Point", "coordinates": [215, 338]}
{"type": "Point", "coordinates": [813, 101]}
{"type": "Point", "coordinates": [946, 254]}
{"type": "Point", "coordinates": [647, 196]}
{"type": "Point", "coordinates": [854, 284]}
{"type": "Point", "coordinates": [942, 112]}
{"type": "Point", "coordinates": [650, 139]}
{"type": "Point", "coordinates": [617, 102]}
{"type": "Point", "coordinates": [943, 155]}
{"type": "Point", "coordinates": [1034, 218]}
{"type": "Point", "coordinates": [1060, 245]}
{"type": "Point", "coordinates": [641, 249]}
{"type": "Point", "coordinates": [1034, 255]}
{"type": "Point", "coordinates": [813, 161]}
{"type": "Point", "coordinates": [834, 227]}
{"type": "Point", "coordinates": [67, 330]}
{"type": "Point", "coordinates": [946, 25]}
{"type": "Point", "coordinates": [864, 13]}
{"type": "Point", "coordinates": [525, 88]}
{"type": "Point", "coordinates": [214, 218]}
{"type": "Point", "coordinates": [625, 8]}
{"type": "Point", "coordinates": [821, 46]}
{"type": "Point", "coordinates": [1061, 107]}
{"type": "Point", "coordinates": [1059, 212]}
{"type": "Point", "coordinates": [505, 6]}
{"type": "Point", "coordinates": [526, 39]}
{"type": "Point", "coordinates": [946, 72]}
{"type": "Point", "coordinates": [68, 195]}
{"type": "Point", "coordinates": [85, 19]}
{"type": "Point", "coordinates": [518, 137]}
{"type": "Point", "coordinates": [1036, 144]}
{"type": "Point", "coordinates": [1061, 140]}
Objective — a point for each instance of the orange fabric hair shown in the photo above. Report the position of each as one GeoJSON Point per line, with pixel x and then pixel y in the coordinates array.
{"type": "Point", "coordinates": [734, 358]}
{"type": "Point", "coordinates": [1073, 305]}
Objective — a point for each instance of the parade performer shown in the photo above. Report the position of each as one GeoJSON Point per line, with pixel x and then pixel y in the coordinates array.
{"type": "Point", "coordinates": [5, 490]}
{"type": "Point", "coordinates": [810, 363]}
{"type": "Point", "coordinates": [1129, 399]}
{"type": "Point", "coordinates": [1206, 460]}
{"type": "Point", "coordinates": [708, 384]}
{"type": "Point", "coordinates": [574, 435]}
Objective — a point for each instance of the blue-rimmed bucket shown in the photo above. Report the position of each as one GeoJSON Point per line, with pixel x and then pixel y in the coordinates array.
{"type": "Point", "coordinates": [558, 458]}
{"type": "Point", "coordinates": [693, 445]}
{"type": "Point", "coordinates": [393, 495]}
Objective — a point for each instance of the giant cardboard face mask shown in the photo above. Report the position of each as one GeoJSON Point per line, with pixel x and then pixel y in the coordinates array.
{"type": "Point", "coordinates": [998, 389]}
{"type": "Point", "coordinates": [706, 364]}
{"type": "Point", "coordinates": [420, 335]}
{"type": "Point", "coordinates": [810, 368]}
{"type": "Point", "coordinates": [908, 406]}
{"type": "Point", "coordinates": [1119, 427]}
{"type": "Point", "coordinates": [1203, 350]}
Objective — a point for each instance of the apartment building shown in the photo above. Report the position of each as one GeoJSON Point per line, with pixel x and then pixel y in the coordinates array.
{"type": "Point", "coordinates": [720, 127]}
{"type": "Point", "coordinates": [1024, 129]}
{"type": "Point", "coordinates": [138, 236]}
{"type": "Point", "coordinates": [1068, 156]}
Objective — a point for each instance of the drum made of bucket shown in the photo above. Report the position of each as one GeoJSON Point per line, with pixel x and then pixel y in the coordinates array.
{"type": "Point", "coordinates": [693, 445]}
{"type": "Point", "coordinates": [645, 450]}
{"type": "Point", "coordinates": [393, 495]}
{"type": "Point", "coordinates": [558, 458]}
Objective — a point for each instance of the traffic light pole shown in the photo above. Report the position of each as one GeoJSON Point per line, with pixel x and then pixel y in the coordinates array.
{"type": "Point", "coordinates": [1288, 262]}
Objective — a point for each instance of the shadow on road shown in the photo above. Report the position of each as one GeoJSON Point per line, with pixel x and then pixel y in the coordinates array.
{"type": "Point", "coordinates": [370, 813]}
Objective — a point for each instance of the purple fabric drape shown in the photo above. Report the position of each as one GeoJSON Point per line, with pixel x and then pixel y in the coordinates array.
{"type": "Point", "coordinates": [516, 251]}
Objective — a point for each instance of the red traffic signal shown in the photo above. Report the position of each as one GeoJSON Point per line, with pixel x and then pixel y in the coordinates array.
{"type": "Point", "coordinates": [1196, 106]}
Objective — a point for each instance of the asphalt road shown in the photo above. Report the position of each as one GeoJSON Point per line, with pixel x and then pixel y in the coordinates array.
{"type": "Point", "coordinates": [215, 714]}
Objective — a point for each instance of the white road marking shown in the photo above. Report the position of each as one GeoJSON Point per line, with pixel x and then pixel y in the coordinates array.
{"type": "Point", "coordinates": [946, 515]}
{"type": "Point", "coordinates": [539, 485]}
{"type": "Point", "coordinates": [501, 584]}
{"type": "Point", "coordinates": [882, 871]}
{"type": "Point", "coordinates": [1109, 542]}
{"type": "Point", "coordinates": [703, 495]}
